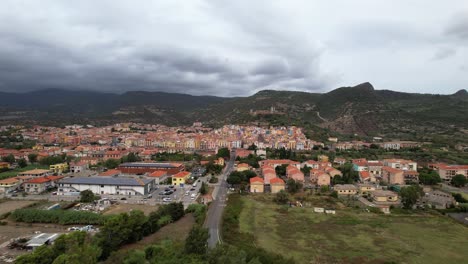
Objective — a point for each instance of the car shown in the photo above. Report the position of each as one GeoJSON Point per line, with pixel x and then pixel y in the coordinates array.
{"type": "Point", "coordinates": [150, 196]}
{"type": "Point", "coordinates": [54, 193]}
{"type": "Point", "coordinates": [167, 189]}
{"type": "Point", "coordinates": [167, 199]}
{"type": "Point", "coordinates": [172, 186]}
{"type": "Point", "coordinates": [199, 180]}
{"type": "Point", "coordinates": [192, 189]}
{"type": "Point", "coordinates": [162, 193]}
{"type": "Point", "coordinates": [187, 193]}
{"type": "Point", "coordinates": [123, 199]}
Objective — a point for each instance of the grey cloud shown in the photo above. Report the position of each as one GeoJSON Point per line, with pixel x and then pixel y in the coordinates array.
{"type": "Point", "coordinates": [458, 27]}
{"type": "Point", "coordinates": [444, 53]}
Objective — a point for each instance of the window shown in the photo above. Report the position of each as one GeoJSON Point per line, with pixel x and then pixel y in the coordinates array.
{"type": "Point", "coordinates": [102, 186]}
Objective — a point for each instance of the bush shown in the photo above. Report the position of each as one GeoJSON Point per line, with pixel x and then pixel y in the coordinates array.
{"type": "Point", "coordinates": [199, 212]}
{"type": "Point", "coordinates": [56, 216]}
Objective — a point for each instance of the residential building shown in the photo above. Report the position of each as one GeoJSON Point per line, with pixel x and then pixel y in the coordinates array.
{"type": "Point", "coordinates": [345, 189]}
{"type": "Point", "coordinates": [438, 199]}
{"type": "Point", "coordinates": [268, 173]}
{"type": "Point", "coordinates": [392, 176]}
{"type": "Point", "coordinates": [38, 185]}
{"type": "Point", "coordinates": [257, 185]}
{"type": "Point", "coordinates": [59, 168]}
{"type": "Point", "coordinates": [401, 164]}
{"type": "Point", "coordinates": [276, 185]}
{"type": "Point", "coordinates": [242, 167]}
{"type": "Point", "coordinates": [384, 196]}
{"type": "Point", "coordinates": [447, 172]}
{"type": "Point", "coordinates": [78, 167]}
{"type": "Point", "coordinates": [366, 188]}
{"type": "Point", "coordinates": [106, 185]}
{"type": "Point", "coordinates": [36, 173]}
{"type": "Point", "coordinates": [159, 176]}
{"type": "Point", "coordinates": [294, 173]}
{"type": "Point", "coordinates": [4, 165]}
{"type": "Point", "coordinates": [320, 178]}
{"type": "Point", "coordinates": [180, 178]}
{"type": "Point", "coordinates": [9, 184]}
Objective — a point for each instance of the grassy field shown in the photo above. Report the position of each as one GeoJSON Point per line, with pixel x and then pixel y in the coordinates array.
{"type": "Point", "coordinates": [350, 236]}
{"type": "Point", "coordinates": [12, 173]}
{"type": "Point", "coordinates": [126, 208]}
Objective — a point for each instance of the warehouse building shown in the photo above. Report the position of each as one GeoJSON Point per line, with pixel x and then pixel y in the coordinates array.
{"type": "Point", "coordinates": [106, 185]}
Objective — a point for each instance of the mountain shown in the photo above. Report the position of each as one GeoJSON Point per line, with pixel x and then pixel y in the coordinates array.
{"type": "Point", "coordinates": [360, 110]}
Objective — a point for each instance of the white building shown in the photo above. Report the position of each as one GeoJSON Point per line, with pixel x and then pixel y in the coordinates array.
{"type": "Point", "coordinates": [106, 185]}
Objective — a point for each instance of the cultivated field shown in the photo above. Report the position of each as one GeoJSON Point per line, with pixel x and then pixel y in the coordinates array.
{"type": "Point", "coordinates": [8, 206]}
{"type": "Point", "coordinates": [352, 235]}
{"type": "Point", "coordinates": [125, 208]}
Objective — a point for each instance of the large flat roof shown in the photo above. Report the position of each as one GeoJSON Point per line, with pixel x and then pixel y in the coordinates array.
{"type": "Point", "coordinates": [103, 180]}
{"type": "Point", "coordinates": [150, 165]}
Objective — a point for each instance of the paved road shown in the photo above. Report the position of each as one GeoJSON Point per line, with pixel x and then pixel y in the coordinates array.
{"type": "Point", "coordinates": [215, 212]}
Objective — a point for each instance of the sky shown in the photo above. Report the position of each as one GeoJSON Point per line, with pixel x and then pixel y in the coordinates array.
{"type": "Point", "coordinates": [233, 48]}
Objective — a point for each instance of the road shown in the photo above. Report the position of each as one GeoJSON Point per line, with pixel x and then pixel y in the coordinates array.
{"type": "Point", "coordinates": [215, 212]}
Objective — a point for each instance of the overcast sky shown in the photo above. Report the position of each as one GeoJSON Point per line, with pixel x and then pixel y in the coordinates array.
{"type": "Point", "coordinates": [234, 48]}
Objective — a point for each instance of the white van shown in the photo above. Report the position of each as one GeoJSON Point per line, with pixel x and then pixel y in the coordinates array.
{"type": "Point", "coordinates": [194, 184]}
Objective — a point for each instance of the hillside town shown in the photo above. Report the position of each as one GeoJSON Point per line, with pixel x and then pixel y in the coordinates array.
{"type": "Point", "coordinates": [126, 166]}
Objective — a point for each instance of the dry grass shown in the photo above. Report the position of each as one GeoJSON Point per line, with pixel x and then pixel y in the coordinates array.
{"type": "Point", "coordinates": [125, 208]}
{"type": "Point", "coordinates": [8, 206]}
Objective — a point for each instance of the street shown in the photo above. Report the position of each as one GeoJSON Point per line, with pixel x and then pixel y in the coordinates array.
{"type": "Point", "coordinates": [215, 212]}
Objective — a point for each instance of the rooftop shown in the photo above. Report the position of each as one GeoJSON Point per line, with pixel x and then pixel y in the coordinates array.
{"type": "Point", "coordinates": [106, 181]}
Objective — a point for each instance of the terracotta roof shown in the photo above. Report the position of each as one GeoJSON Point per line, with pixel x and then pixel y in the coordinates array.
{"type": "Point", "coordinates": [256, 179]}
{"type": "Point", "coordinates": [35, 171]}
{"type": "Point", "coordinates": [9, 180]}
{"type": "Point", "coordinates": [181, 174]}
{"type": "Point", "coordinates": [45, 179]}
{"type": "Point", "coordinates": [158, 173]}
{"type": "Point", "coordinates": [364, 174]}
{"type": "Point", "coordinates": [391, 170]}
{"type": "Point", "coordinates": [276, 181]}
{"type": "Point", "coordinates": [243, 165]}
{"type": "Point", "coordinates": [110, 173]}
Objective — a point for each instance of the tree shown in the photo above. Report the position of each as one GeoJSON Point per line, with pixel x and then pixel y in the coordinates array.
{"type": "Point", "coordinates": [281, 197]}
{"type": "Point", "coordinates": [429, 177]}
{"type": "Point", "coordinates": [197, 241]}
{"type": "Point", "coordinates": [252, 147]}
{"type": "Point", "coordinates": [203, 189]}
{"type": "Point", "coordinates": [131, 157]}
{"type": "Point", "coordinates": [223, 153]}
{"type": "Point", "coordinates": [281, 170]}
{"type": "Point", "coordinates": [87, 196]}
{"type": "Point", "coordinates": [32, 158]}
{"type": "Point", "coordinates": [111, 163]}
{"type": "Point", "coordinates": [458, 180]}
{"type": "Point", "coordinates": [22, 163]}
{"type": "Point", "coordinates": [459, 198]}
{"type": "Point", "coordinates": [293, 186]}
{"type": "Point", "coordinates": [135, 257]}
{"type": "Point", "coordinates": [410, 195]}
{"type": "Point", "coordinates": [10, 158]}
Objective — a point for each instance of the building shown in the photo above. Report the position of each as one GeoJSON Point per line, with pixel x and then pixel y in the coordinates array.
{"type": "Point", "coordinates": [268, 173]}
{"type": "Point", "coordinates": [41, 239]}
{"type": "Point", "coordinates": [79, 167]}
{"type": "Point", "coordinates": [345, 189]}
{"type": "Point", "coordinates": [411, 176]}
{"type": "Point", "coordinates": [447, 172]}
{"type": "Point", "coordinates": [384, 196]}
{"type": "Point", "coordinates": [59, 168]}
{"type": "Point", "coordinates": [257, 185]}
{"type": "Point", "coordinates": [276, 163]}
{"type": "Point", "coordinates": [106, 185]}
{"type": "Point", "coordinates": [9, 184]}
{"type": "Point", "coordinates": [111, 173]}
{"type": "Point", "coordinates": [339, 161]}
{"type": "Point", "coordinates": [392, 176]}
{"type": "Point", "coordinates": [438, 199]}
{"type": "Point", "coordinates": [180, 178]}
{"type": "Point", "coordinates": [159, 176]}
{"type": "Point", "coordinates": [242, 167]}
{"type": "Point", "coordinates": [36, 173]}
{"type": "Point", "coordinates": [294, 173]}
{"type": "Point", "coordinates": [143, 167]}
{"type": "Point", "coordinates": [401, 164]}
{"type": "Point", "coordinates": [366, 188]}
{"type": "Point", "coordinates": [40, 184]}
{"type": "Point", "coordinates": [320, 178]}
{"type": "Point", "coordinates": [4, 165]}
{"type": "Point", "coordinates": [276, 185]}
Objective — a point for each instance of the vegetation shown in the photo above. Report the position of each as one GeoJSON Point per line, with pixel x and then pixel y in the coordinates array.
{"type": "Point", "coordinates": [51, 160]}
{"type": "Point", "coordinates": [281, 197]}
{"type": "Point", "coordinates": [410, 195]}
{"type": "Point", "coordinates": [293, 186]}
{"type": "Point", "coordinates": [180, 156]}
{"type": "Point", "coordinates": [64, 217]}
{"type": "Point", "coordinates": [203, 188]}
{"type": "Point", "coordinates": [223, 153]}
{"type": "Point", "coordinates": [213, 168]}
{"type": "Point", "coordinates": [251, 159]}
{"type": "Point", "coordinates": [459, 180]}
{"type": "Point", "coordinates": [239, 177]}
{"type": "Point", "coordinates": [112, 163]}
{"type": "Point", "coordinates": [350, 236]}
{"type": "Point", "coordinates": [87, 196]}
{"type": "Point", "coordinates": [429, 177]}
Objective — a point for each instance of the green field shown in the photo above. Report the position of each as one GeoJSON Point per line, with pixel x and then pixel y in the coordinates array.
{"type": "Point", "coordinates": [350, 236]}
{"type": "Point", "coordinates": [12, 173]}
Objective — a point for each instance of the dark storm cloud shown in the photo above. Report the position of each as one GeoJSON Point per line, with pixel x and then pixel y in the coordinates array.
{"type": "Point", "coordinates": [227, 48]}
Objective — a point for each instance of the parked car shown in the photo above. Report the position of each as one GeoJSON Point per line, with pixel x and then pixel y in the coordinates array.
{"type": "Point", "coordinates": [167, 199]}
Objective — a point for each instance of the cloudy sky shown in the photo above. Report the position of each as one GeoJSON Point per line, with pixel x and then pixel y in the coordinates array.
{"type": "Point", "coordinates": [233, 48]}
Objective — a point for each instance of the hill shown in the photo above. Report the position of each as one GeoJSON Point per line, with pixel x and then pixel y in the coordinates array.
{"type": "Point", "coordinates": [360, 110]}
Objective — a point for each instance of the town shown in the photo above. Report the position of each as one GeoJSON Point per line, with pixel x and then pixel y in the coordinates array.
{"type": "Point", "coordinates": [91, 172]}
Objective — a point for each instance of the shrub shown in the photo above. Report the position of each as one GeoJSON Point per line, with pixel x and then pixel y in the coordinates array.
{"type": "Point", "coordinates": [56, 216]}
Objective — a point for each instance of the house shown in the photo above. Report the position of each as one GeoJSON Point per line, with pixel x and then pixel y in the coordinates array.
{"type": "Point", "coordinates": [364, 176]}
{"type": "Point", "coordinates": [392, 176]}
{"type": "Point", "coordinates": [345, 189]}
{"type": "Point", "coordinates": [277, 185]}
{"type": "Point", "coordinates": [366, 188]}
{"type": "Point", "coordinates": [401, 164]}
{"type": "Point", "coordinates": [106, 185]}
{"type": "Point", "coordinates": [375, 168]}
{"type": "Point", "coordinates": [333, 172]}
{"type": "Point", "coordinates": [257, 185]}
{"type": "Point", "coordinates": [276, 163]}
{"type": "Point", "coordinates": [268, 173]}
{"type": "Point", "coordinates": [320, 178]}
{"type": "Point", "coordinates": [40, 184]}
{"type": "Point", "coordinates": [360, 165]}
{"type": "Point", "coordinates": [411, 176]}
{"type": "Point", "coordinates": [9, 184]}
{"type": "Point", "coordinates": [180, 178]}
{"type": "Point", "coordinates": [243, 153]}
{"type": "Point", "coordinates": [294, 173]}
{"type": "Point", "coordinates": [242, 167]}
{"type": "Point", "coordinates": [59, 168]}
{"type": "Point", "coordinates": [35, 173]}
{"type": "Point", "coordinates": [159, 176]}
{"type": "Point", "coordinates": [78, 167]}
{"type": "Point", "coordinates": [339, 161]}
{"type": "Point", "coordinates": [311, 164]}
{"type": "Point", "coordinates": [447, 172]}
{"type": "Point", "coordinates": [4, 165]}
{"type": "Point", "coordinates": [384, 196]}
{"type": "Point", "coordinates": [438, 199]}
